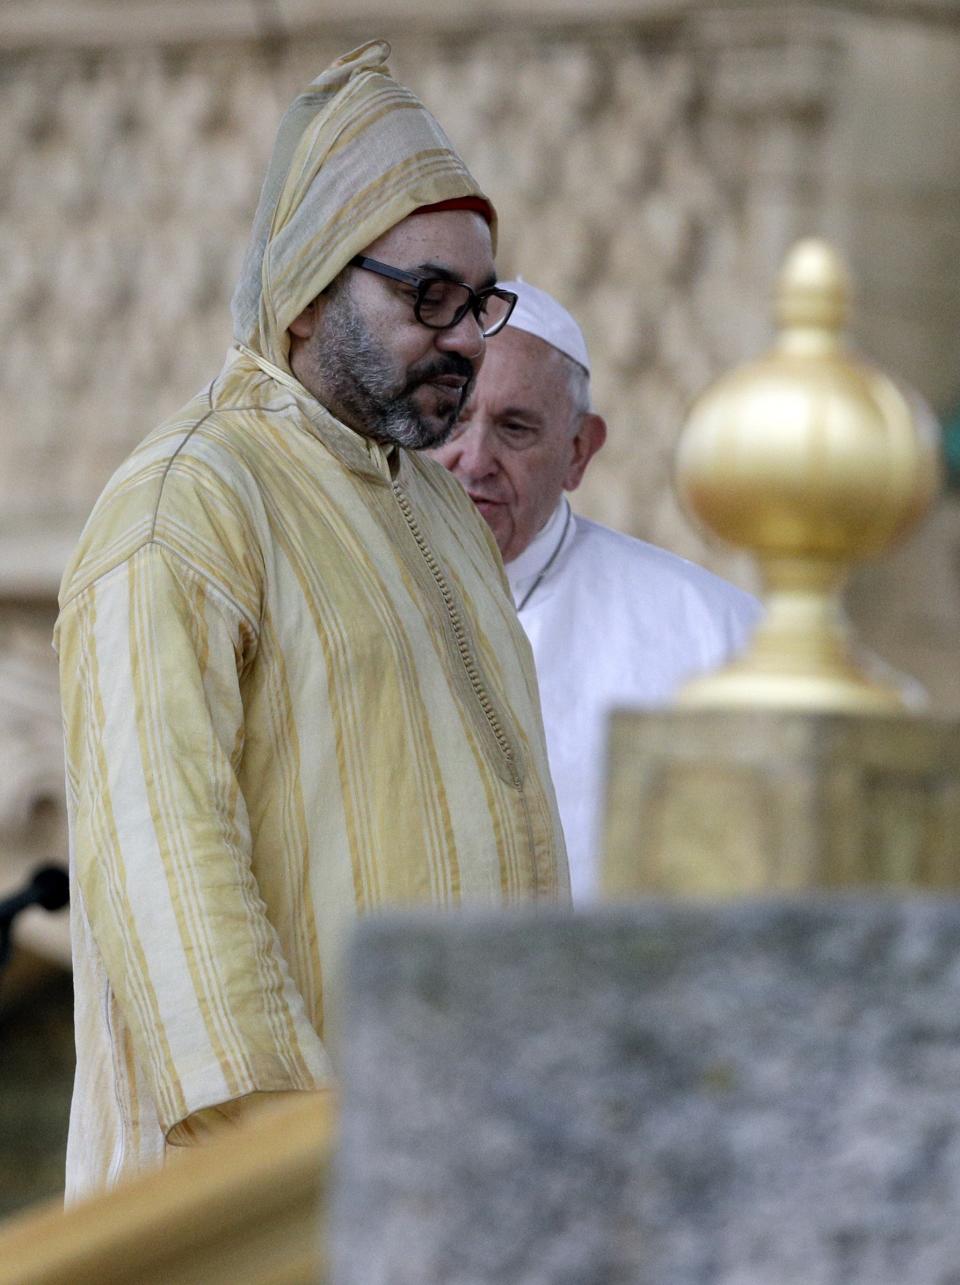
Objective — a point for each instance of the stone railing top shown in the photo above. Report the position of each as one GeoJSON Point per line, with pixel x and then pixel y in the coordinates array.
{"type": "Point", "coordinates": [109, 22]}
{"type": "Point", "coordinates": [74, 23]}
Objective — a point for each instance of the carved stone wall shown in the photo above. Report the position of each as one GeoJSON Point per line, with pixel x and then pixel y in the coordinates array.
{"type": "Point", "coordinates": [651, 161]}
{"type": "Point", "coordinates": [650, 165]}
{"type": "Point", "coordinates": [133, 174]}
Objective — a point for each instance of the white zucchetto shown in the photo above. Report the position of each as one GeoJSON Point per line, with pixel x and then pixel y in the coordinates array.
{"type": "Point", "coordinates": [539, 314]}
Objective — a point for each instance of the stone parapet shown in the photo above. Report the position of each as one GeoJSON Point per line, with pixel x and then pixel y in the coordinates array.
{"type": "Point", "coordinates": [91, 23]}
{"type": "Point", "coordinates": [734, 1094]}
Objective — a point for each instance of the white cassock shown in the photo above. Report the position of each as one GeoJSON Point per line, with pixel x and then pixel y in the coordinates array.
{"type": "Point", "coordinates": [613, 621]}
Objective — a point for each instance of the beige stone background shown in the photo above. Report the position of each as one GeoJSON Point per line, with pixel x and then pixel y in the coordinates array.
{"type": "Point", "coordinates": [651, 160]}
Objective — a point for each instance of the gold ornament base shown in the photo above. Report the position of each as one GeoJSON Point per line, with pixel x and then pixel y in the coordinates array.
{"type": "Point", "coordinates": [846, 692]}
{"type": "Point", "coordinates": [801, 657]}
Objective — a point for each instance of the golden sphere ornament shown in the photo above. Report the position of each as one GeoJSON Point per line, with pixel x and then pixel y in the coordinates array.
{"type": "Point", "coordinates": [811, 459]}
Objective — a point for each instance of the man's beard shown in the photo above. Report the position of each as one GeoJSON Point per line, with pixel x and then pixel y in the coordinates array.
{"type": "Point", "coordinates": [360, 384]}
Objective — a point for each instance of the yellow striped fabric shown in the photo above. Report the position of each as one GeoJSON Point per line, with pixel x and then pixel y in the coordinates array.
{"type": "Point", "coordinates": [295, 690]}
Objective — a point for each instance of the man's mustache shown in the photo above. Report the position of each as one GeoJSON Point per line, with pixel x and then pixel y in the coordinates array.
{"type": "Point", "coordinates": [452, 364]}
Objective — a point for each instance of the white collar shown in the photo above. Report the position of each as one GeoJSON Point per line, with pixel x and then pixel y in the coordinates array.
{"type": "Point", "coordinates": [524, 569]}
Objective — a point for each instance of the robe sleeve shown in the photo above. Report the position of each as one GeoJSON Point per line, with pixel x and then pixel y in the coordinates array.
{"type": "Point", "coordinates": [151, 661]}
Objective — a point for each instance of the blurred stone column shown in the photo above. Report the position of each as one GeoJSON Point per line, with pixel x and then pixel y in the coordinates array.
{"type": "Point", "coordinates": [728, 803]}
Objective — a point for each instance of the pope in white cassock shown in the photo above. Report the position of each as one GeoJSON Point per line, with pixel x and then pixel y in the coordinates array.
{"type": "Point", "coordinates": [613, 621]}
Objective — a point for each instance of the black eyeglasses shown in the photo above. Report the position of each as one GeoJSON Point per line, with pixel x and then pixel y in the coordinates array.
{"type": "Point", "coordinates": [442, 304]}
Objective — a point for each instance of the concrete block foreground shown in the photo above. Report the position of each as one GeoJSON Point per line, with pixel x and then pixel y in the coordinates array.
{"type": "Point", "coordinates": [663, 1093]}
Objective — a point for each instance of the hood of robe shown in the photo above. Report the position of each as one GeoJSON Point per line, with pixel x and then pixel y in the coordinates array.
{"type": "Point", "coordinates": [354, 155]}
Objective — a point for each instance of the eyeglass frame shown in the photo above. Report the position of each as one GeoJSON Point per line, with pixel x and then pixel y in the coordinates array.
{"type": "Point", "coordinates": [422, 282]}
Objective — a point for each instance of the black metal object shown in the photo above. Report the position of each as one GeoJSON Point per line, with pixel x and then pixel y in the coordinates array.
{"type": "Point", "coordinates": [49, 888]}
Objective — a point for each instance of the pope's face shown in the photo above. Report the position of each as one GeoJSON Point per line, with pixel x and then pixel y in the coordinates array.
{"type": "Point", "coordinates": [361, 351]}
{"type": "Point", "coordinates": [522, 440]}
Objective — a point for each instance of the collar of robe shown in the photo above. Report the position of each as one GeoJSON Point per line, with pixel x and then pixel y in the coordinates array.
{"type": "Point", "coordinates": [371, 460]}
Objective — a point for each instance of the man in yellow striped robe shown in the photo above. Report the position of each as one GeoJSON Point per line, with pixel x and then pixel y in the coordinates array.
{"type": "Point", "coordinates": [294, 685]}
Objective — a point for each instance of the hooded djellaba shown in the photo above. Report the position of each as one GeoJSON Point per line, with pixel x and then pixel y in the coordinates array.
{"type": "Point", "coordinates": [294, 687]}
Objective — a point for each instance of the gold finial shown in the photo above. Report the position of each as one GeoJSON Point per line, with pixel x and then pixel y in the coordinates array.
{"type": "Point", "coordinates": [811, 459]}
{"type": "Point", "coordinates": [813, 291]}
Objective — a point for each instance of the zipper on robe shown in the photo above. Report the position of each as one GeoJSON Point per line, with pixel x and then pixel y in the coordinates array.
{"type": "Point", "coordinates": [466, 656]}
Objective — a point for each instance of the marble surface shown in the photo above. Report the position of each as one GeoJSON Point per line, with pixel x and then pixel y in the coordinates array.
{"type": "Point", "coordinates": [731, 1094]}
